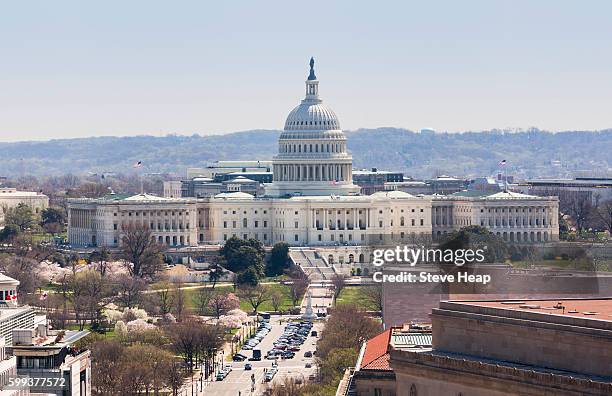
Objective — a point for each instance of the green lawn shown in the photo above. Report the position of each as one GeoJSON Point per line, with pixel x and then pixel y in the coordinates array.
{"type": "Point", "coordinates": [244, 304]}
{"type": "Point", "coordinates": [353, 295]}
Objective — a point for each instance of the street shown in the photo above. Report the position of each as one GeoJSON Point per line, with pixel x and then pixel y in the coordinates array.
{"type": "Point", "coordinates": [239, 380]}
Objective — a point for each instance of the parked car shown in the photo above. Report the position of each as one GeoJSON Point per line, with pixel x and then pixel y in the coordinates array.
{"type": "Point", "coordinates": [239, 357]}
{"type": "Point", "coordinates": [308, 354]}
{"type": "Point", "coordinates": [308, 365]}
{"type": "Point", "coordinates": [248, 366]}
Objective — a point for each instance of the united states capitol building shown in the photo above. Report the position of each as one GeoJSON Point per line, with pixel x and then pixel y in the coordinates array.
{"type": "Point", "coordinates": [311, 201]}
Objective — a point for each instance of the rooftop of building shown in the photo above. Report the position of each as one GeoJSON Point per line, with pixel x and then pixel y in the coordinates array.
{"type": "Point", "coordinates": [8, 281]}
{"type": "Point", "coordinates": [584, 181]}
{"type": "Point", "coordinates": [9, 311]}
{"type": "Point", "coordinates": [587, 309]}
{"type": "Point", "coordinates": [413, 337]}
{"type": "Point", "coordinates": [52, 339]}
{"type": "Point", "coordinates": [131, 198]}
{"type": "Point", "coordinates": [13, 192]}
{"type": "Point", "coordinates": [493, 195]}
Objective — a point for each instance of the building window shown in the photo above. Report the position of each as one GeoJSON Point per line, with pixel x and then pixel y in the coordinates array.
{"type": "Point", "coordinates": [320, 237]}
{"type": "Point", "coordinates": [265, 237]}
{"type": "Point", "coordinates": [265, 223]}
{"type": "Point", "coordinates": [413, 390]}
{"type": "Point", "coordinates": [256, 223]}
{"type": "Point", "coordinates": [295, 237]}
{"type": "Point", "coordinates": [225, 237]}
{"type": "Point", "coordinates": [377, 392]}
{"type": "Point", "coordinates": [296, 224]}
{"type": "Point", "coordinates": [422, 221]}
{"type": "Point", "coordinates": [225, 224]}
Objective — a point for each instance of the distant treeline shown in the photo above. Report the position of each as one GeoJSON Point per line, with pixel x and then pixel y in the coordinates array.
{"type": "Point", "coordinates": [531, 153]}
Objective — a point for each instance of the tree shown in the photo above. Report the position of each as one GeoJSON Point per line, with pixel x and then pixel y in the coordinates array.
{"type": "Point", "coordinates": [166, 298]}
{"type": "Point", "coordinates": [248, 277]}
{"type": "Point", "coordinates": [179, 299]}
{"type": "Point", "coordinates": [53, 219]}
{"type": "Point", "coordinates": [175, 376]}
{"type": "Point", "coordinates": [347, 327]}
{"type": "Point", "coordinates": [202, 299]}
{"type": "Point", "coordinates": [255, 295]}
{"type": "Point", "coordinates": [142, 254]}
{"type": "Point", "coordinates": [339, 281]}
{"type": "Point", "coordinates": [221, 303]}
{"type": "Point", "coordinates": [193, 339]}
{"type": "Point", "coordinates": [101, 257]}
{"type": "Point", "coordinates": [279, 259]}
{"type": "Point", "coordinates": [579, 207]}
{"type": "Point", "coordinates": [53, 215]}
{"type": "Point", "coordinates": [216, 271]}
{"type": "Point", "coordinates": [373, 296]}
{"type": "Point", "coordinates": [603, 214]}
{"type": "Point", "coordinates": [336, 362]}
{"type": "Point", "coordinates": [240, 255]}
{"type": "Point", "coordinates": [25, 270]}
{"type": "Point", "coordinates": [297, 287]}
{"type": "Point", "coordinates": [20, 216]}
{"type": "Point", "coordinates": [107, 364]}
{"type": "Point", "coordinates": [129, 290]}
{"type": "Point", "coordinates": [89, 294]}
{"type": "Point", "coordinates": [9, 232]}
{"type": "Point", "coordinates": [276, 299]}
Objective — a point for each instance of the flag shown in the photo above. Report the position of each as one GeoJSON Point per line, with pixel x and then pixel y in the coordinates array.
{"type": "Point", "coordinates": [502, 162]}
{"type": "Point", "coordinates": [137, 165]}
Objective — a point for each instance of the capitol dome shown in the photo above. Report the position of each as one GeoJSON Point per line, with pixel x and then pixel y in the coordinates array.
{"type": "Point", "coordinates": [312, 116]}
{"type": "Point", "coordinates": [312, 158]}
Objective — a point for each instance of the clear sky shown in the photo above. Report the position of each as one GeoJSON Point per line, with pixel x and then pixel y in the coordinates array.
{"type": "Point", "coordinates": [71, 69]}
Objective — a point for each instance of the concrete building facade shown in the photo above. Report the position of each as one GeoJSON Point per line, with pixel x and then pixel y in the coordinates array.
{"type": "Point", "coordinates": [11, 198]}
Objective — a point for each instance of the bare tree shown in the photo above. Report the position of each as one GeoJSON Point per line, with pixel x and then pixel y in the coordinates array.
{"type": "Point", "coordinates": [142, 254]}
{"type": "Point", "coordinates": [579, 208]}
{"type": "Point", "coordinates": [255, 295]}
{"type": "Point", "coordinates": [297, 287]}
{"type": "Point", "coordinates": [603, 214]}
{"type": "Point", "coordinates": [89, 295]}
{"type": "Point", "coordinates": [107, 364]}
{"type": "Point", "coordinates": [202, 299]}
{"type": "Point", "coordinates": [166, 298]}
{"type": "Point", "coordinates": [179, 299]}
{"type": "Point", "coordinates": [276, 299]}
{"type": "Point", "coordinates": [129, 290]}
{"type": "Point", "coordinates": [101, 258]}
{"type": "Point", "coordinates": [373, 295]}
{"type": "Point", "coordinates": [25, 270]}
{"type": "Point", "coordinates": [339, 282]}
{"type": "Point", "coordinates": [221, 303]}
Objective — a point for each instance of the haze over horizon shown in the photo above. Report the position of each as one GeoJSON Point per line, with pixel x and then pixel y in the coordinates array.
{"type": "Point", "coordinates": [148, 68]}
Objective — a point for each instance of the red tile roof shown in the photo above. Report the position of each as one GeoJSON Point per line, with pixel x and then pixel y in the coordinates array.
{"type": "Point", "coordinates": [376, 356]}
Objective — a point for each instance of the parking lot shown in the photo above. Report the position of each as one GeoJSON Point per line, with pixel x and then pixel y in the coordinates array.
{"type": "Point", "coordinates": [239, 379]}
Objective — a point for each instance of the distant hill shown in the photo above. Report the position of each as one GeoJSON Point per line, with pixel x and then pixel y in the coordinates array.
{"type": "Point", "coordinates": [529, 153]}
